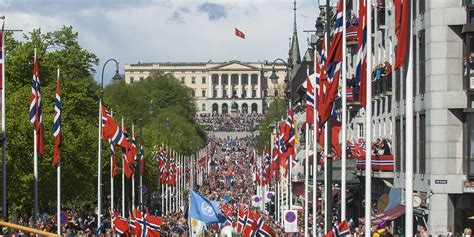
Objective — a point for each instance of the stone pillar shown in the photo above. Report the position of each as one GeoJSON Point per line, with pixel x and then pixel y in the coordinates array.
{"type": "Point", "coordinates": [259, 87]}
{"type": "Point", "coordinates": [441, 214]}
{"type": "Point", "coordinates": [239, 87]}
{"type": "Point", "coordinates": [210, 88]}
{"type": "Point", "coordinates": [219, 87]}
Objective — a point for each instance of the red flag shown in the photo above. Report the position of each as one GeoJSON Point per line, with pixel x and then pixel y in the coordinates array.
{"type": "Point", "coordinates": [250, 228]}
{"type": "Point", "coordinates": [35, 111]}
{"type": "Point", "coordinates": [402, 37]}
{"type": "Point", "coordinates": [57, 125]}
{"type": "Point", "coordinates": [239, 33]}
{"type": "Point", "coordinates": [120, 225]}
{"type": "Point", "coordinates": [127, 169]}
{"type": "Point", "coordinates": [153, 225]}
{"type": "Point", "coordinates": [342, 229]}
{"type": "Point", "coordinates": [309, 100]}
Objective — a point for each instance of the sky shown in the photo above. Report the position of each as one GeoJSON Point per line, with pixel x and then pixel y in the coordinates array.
{"type": "Point", "coordinates": [133, 31]}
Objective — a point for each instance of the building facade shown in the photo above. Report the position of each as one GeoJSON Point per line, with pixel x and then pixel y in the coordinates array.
{"type": "Point", "coordinates": [219, 87]}
{"type": "Point", "coordinates": [443, 122]}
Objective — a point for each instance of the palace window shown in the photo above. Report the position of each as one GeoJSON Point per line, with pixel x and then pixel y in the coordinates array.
{"type": "Point", "coordinates": [193, 80]}
{"type": "Point", "coordinates": [203, 80]}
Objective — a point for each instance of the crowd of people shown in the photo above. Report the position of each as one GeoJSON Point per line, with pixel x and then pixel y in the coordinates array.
{"type": "Point", "coordinates": [243, 122]}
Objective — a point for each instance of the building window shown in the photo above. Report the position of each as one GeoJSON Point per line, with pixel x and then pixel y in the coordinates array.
{"type": "Point", "coordinates": [214, 93]}
{"type": "Point", "coordinates": [234, 79]}
{"type": "Point", "coordinates": [421, 60]}
{"type": "Point", "coordinates": [183, 79]}
{"type": "Point", "coordinates": [470, 162]}
{"type": "Point", "coordinates": [389, 104]}
{"type": "Point", "coordinates": [422, 145]}
{"type": "Point", "coordinates": [141, 78]}
{"type": "Point", "coordinates": [244, 79]}
{"type": "Point", "coordinates": [265, 93]}
{"type": "Point", "coordinates": [360, 127]}
{"type": "Point", "coordinates": [215, 79]}
{"type": "Point", "coordinates": [254, 93]}
{"type": "Point", "coordinates": [421, 7]}
{"type": "Point", "coordinates": [193, 93]}
{"type": "Point", "coordinates": [131, 80]}
{"type": "Point", "coordinates": [203, 80]}
{"type": "Point", "coordinates": [193, 80]}
{"type": "Point", "coordinates": [276, 93]}
{"type": "Point", "coordinates": [203, 93]}
{"type": "Point", "coordinates": [234, 93]}
{"type": "Point", "coordinates": [225, 79]}
{"type": "Point", "coordinates": [254, 79]}
{"type": "Point", "coordinates": [398, 86]}
{"type": "Point", "coordinates": [383, 105]}
{"type": "Point", "coordinates": [378, 108]}
{"type": "Point", "coordinates": [414, 144]}
{"type": "Point", "coordinates": [414, 63]}
{"type": "Point", "coordinates": [397, 146]}
{"type": "Point", "coordinates": [225, 93]}
{"type": "Point", "coordinates": [373, 108]}
{"type": "Point", "coordinates": [203, 107]}
{"type": "Point", "coordinates": [244, 93]}
{"type": "Point", "coordinates": [380, 13]}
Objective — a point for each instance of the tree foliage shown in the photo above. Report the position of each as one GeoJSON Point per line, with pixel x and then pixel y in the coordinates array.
{"type": "Point", "coordinates": [80, 101]}
{"type": "Point", "coordinates": [276, 112]}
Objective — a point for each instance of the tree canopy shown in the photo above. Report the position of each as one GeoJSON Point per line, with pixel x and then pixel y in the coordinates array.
{"type": "Point", "coordinates": [171, 101]}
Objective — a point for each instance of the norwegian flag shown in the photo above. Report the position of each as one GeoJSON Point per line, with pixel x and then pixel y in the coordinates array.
{"type": "Point", "coordinates": [262, 229]}
{"type": "Point", "coordinates": [341, 230]}
{"type": "Point", "coordinates": [228, 211]}
{"type": "Point", "coordinates": [267, 163]}
{"type": "Point", "coordinates": [250, 228]}
{"type": "Point", "coordinates": [275, 160]}
{"type": "Point", "coordinates": [36, 113]}
{"type": "Point", "coordinates": [242, 218]}
{"type": "Point", "coordinates": [361, 72]}
{"type": "Point", "coordinates": [154, 225]}
{"type": "Point", "coordinates": [127, 169]}
{"type": "Point", "coordinates": [146, 225]}
{"type": "Point", "coordinates": [309, 100]}
{"type": "Point", "coordinates": [112, 158]}
{"type": "Point", "coordinates": [172, 172]}
{"type": "Point", "coordinates": [111, 131]}
{"type": "Point", "coordinates": [135, 228]}
{"type": "Point", "coordinates": [402, 18]}
{"type": "Point", "coordinates": [57, 125]}
{"type": "Point", "coordinates": [332, 67]}
{"type": "Point", "coordinates": [163, 170]}
{"type": "Point", "coordinates": [120, 225]}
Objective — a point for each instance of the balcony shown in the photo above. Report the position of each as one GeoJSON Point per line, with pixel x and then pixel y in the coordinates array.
{"type": "Point", "coordinates": [382, 87]}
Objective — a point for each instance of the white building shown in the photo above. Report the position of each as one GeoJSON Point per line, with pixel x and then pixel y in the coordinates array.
{"type": "Point", "coordinates": [218, 85]}
{"type": "Point", "coordinates": [443, 96]}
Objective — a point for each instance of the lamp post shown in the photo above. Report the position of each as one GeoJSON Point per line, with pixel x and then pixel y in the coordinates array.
{"type": "Point", "coordinates": [274, 78]}
{"type": "Point", "coordinates": [99, 165]}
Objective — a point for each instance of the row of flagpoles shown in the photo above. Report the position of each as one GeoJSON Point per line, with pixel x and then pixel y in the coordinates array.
{"type": "Point", "coordinates": [319, 110]}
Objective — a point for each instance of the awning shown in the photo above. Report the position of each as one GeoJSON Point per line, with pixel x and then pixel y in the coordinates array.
{"type": "Point", "coordinates": [388, 215]}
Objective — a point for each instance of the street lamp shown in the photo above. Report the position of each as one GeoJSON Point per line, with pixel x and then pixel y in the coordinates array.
{"type": "Point", "coordinates": [99, 166]}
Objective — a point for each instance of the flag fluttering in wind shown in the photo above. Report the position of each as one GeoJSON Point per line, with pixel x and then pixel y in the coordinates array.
{"type": "Point", "coordinates": [239, 33]}
{"type": "Point", "coordinates": [36, 114]}
{"type": "Point", "coordinates": [57, 124]}
{"type": "Point", "coordinates": [341, 230]}
{"type": "Point", "coordinates": [402, 17]}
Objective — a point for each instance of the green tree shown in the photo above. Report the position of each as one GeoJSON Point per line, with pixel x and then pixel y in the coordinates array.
{"type": "Point", "coordinates": [276, 111]}
{"type": "Point", "coordinates": [79, 118]}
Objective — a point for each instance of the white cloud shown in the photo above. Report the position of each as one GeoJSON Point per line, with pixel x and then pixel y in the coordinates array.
{"type": "Point", "coordinates": [165, 30]}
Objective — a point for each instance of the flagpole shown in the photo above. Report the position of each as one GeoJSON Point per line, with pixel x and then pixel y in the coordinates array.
{"type": "Point", "coordinates": [315, 152]}
{"type": "Point", "coordinates": [344, 113]}
{"type": "Point", "coordinates": [409, 132]}
{"type": "Point", "coordinates": [35, 162]}
{"type": "Point", "coordinates": [368, 122]}
{"type": "Point", "coordinates": [290, 164]}
{"type": "Point", "coordinates": [4, 164]}
{"type": "Point", "coordinates": [112, 180]}
{"type": "Point", "coordinates": [123, 177]}
{"type": "Point", "coordinates": [133, 174]}
{"type": "Point", "coordinates": [58, 189]}
{"type": "Point", "coordinates": [325, 179]}
{"type": "Point", "coordinates": [306, 179]}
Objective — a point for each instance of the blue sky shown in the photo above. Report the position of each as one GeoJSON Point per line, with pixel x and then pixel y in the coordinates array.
{"type": "Point", "coordinates": [134, 31]}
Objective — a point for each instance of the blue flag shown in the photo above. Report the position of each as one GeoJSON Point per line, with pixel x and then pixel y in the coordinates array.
{"type": "Point", "coordinates": [203, 209]}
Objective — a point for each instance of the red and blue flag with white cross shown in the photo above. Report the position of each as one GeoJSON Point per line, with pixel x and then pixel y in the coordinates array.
{"type": "Point", "coordinates": [57, 125]}
{"type": "Point", "coordinates": [35, 112]}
